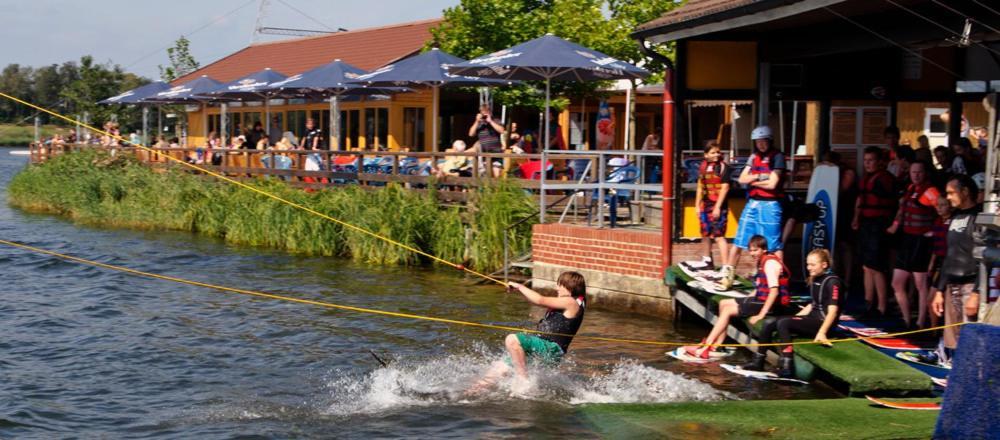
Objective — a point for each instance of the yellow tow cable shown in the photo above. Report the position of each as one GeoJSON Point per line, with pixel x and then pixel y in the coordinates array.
{"type": "Point", "coordinates": [422, 317]}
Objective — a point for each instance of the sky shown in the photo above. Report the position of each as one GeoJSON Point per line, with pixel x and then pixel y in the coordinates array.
{"type": "Point", "coordinates": [136, 33]}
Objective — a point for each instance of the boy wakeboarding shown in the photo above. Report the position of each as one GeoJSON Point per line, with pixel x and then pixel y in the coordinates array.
{"type": "Point", "coordinates": [562, 319]}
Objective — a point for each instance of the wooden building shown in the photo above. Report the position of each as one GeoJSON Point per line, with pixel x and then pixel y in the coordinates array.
{"type": "Point", "coordinates": [399, 121]}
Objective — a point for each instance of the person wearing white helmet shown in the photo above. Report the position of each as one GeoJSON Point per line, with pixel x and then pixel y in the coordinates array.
{"type": "Point", "coordinates": [762, 214]}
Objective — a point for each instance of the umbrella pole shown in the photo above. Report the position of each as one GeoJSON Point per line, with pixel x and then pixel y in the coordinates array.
{"type": "Point", "coordinates": [434, 118]}
{"type": "Point", "coordinates": [547, 123]}
{"type": "Point", "coordinates": [204, 121]}
{"type": "Point", "coordinates": [159, 120]}
{"type": "Point", "coordinates": [223, 126]}
{"type": "Point", "coordinates": [335, 123]}
{"type": "Point", "coordinates": [145, 125]}
{"type": "Point", "coordinates": [628, 119]}
{"type": "Point", "coordinates": [267, 118]}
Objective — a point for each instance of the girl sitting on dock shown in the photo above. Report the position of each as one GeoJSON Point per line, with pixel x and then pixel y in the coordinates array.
{"type": "Point", "coordinates": [816, 318]}
{"type": "Point", "coordinates": [771, 297]}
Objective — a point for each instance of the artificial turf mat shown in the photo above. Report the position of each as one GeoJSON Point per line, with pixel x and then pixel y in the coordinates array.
{"type": "Point", "coordinates": [864, 369]}
{"type": "Point", "coordinates": [850, 418]}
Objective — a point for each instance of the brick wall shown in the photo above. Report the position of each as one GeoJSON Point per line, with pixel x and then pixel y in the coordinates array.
{"type": "Point", "coordinates": [619, 251]}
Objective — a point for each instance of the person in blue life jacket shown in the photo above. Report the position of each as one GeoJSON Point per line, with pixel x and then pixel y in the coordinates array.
{"type": "Point", "coordinates": [556, 329]}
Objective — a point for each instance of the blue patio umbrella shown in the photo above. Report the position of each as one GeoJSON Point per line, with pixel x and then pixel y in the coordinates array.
{"type": "Point", "coordinates": [252, 87]}
{"type": "Point", "coordinates": [549, 58]}
{"type": "Point", "coordinates": [135, 96]}
{"type": "Point", "coordinates": [428, 69]}
{"type": "Point", "coordinates": [191, 92]}
{"type": "Point", "coordinates": [331, 80]}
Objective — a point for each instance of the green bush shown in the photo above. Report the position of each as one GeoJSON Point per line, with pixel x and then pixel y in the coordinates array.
{"type": "Point", "coordinates": [95, 188]}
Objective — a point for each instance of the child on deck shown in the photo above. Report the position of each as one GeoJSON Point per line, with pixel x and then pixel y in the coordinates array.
{"type": "Point", "coordinates": [939, 245]}
{"type": "Point", "coordinates": [817, 318]}
{"type": "Point", "coordinates": [772, 297]}
{"type": "Point", "coordinates": [710, 198]}
{"type": "Point", "coordinates": [561, 321]}
{"type": "Point", "coordinates": [762, 214]}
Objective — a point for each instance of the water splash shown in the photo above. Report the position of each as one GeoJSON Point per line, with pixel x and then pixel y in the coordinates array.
{"type": "Point", "coordinates": [448, 380]}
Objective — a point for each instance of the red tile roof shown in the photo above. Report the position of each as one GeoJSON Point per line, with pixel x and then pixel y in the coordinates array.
{"type": "Point", "coordinates": [365, 48]}
{"type": "Point", "coordinates": [695, 9]}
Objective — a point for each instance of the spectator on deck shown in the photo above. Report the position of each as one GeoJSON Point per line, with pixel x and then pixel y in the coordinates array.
{"type": "Point", "coordinates": [964, 161]}
{"type": "Point", "coordinates": [487, 132]}
{"type": "Point", "coordinates": [873, 213]}
{"type": "Point", "coordinates": [956, 296]}
{"type": "Point", "coordinates": [274, 131]}
{"type": "Point", "coordinates": [255, 135]}
{"type": "Point", "coordinates": [914, 219]}
{"type": "Point", "coordinates": [453, 165]}
{"type": "Point", "coordinates": [762, 213]}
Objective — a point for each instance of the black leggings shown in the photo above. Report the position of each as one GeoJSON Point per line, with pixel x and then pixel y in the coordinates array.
{"type": "Point", "coordinates": [786, 326]}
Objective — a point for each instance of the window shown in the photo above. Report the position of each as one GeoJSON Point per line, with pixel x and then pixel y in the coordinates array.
{"type": "Point", "coordinates": [297, 123]}
{"type": "Point", "coordinates": [250, 119]}
{"type": "Point", "coordinates": [214, 122]}
{"type": "Point", "coordinates": [349, 126]}
{"type": "Point", "coordinates": [376, 128]}
{"type": "Point", "coordinates": [413, 128]}
{"type": "Point", "coordinates": [235, 126]}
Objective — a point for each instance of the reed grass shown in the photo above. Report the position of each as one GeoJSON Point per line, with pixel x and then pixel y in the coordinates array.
{"type": "Point", "coordinates": [95, 188]}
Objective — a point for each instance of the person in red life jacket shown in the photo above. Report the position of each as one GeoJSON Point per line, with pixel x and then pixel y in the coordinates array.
{"type": "Point", "coordinates": [873, 214]}
{"type": "Point", "coordinates": [710, 198]}
{"type": "Point", "coordinates": [762, 213]}
{"type": "Point", "coordinates": [915, 218]}
{"type": "Point", "coordinates": [956, 296]}
{"type": "Point", "coordinates": [556, 329]}
{"type": "Point", "coordinates": [939, 245]}
{"type": "Point", "coordinates": [827, 298]}
{"type": "Point", "coordinates": [771, 297]}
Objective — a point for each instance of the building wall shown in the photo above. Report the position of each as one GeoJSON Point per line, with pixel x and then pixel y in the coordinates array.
{"type": "Point", "coordinates": [418, 98]}
{"type": "Point", "coordinates": [622, 267]}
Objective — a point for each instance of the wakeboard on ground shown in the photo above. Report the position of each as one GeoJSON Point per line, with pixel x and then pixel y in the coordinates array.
{"type": "Point", "coordinates": [914, 357]}
{"type": "Point", "coordinates": [761, 375]}
{"type": "Point", "coordinates": [925, 406]}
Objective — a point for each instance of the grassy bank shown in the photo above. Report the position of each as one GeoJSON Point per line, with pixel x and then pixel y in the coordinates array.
{"type": "Point", "coordinates": [91, 187]}
{"type": "Point", "coordinates": [21, 135]}
{"type": "Point", "coordinates": [778, 419]}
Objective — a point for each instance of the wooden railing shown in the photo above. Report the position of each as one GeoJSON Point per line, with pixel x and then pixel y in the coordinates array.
{"type": "Point", "coordinates": [365, 168]}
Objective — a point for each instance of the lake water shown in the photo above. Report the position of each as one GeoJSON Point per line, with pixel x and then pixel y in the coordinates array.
{"type": "Point", "coordinates": [90, 353]}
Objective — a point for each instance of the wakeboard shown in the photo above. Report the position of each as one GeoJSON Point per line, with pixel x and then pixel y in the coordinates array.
{"type": "Point", "coordinates": [716, 289]}
{"type": "Point", "coordinates": [925, 406]}
{"type": "Point", "coordinates": [680, 354]}
{"type": "Point", "coordinates": [761, 375]}
{"type": "Point", "coordinates": [914, 358]}
{"type": "Point", "coordinates": [824, 187]}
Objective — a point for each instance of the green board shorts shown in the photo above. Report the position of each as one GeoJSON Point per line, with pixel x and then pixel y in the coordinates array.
{"type": "Point", "coordinates": [537, 349]}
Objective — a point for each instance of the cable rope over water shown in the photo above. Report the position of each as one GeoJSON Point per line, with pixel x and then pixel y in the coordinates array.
{"type": "Point", "coordinates": [412, 316]}
{"type": "Point", "coordinates": [252, 188]}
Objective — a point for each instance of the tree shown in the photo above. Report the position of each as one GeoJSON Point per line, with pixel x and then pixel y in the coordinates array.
{"type": "Point", "coordinates": [478, 27]}
{"type": "Point", "coordinates": [181, 61]}
{"type": "Point", "coordinates": [17, 81]}
{"type": "Point", "coordinates": [99, 81]}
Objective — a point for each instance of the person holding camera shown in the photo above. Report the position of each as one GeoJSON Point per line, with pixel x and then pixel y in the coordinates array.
{"type": "Point", "coordinates": [488, 132]}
